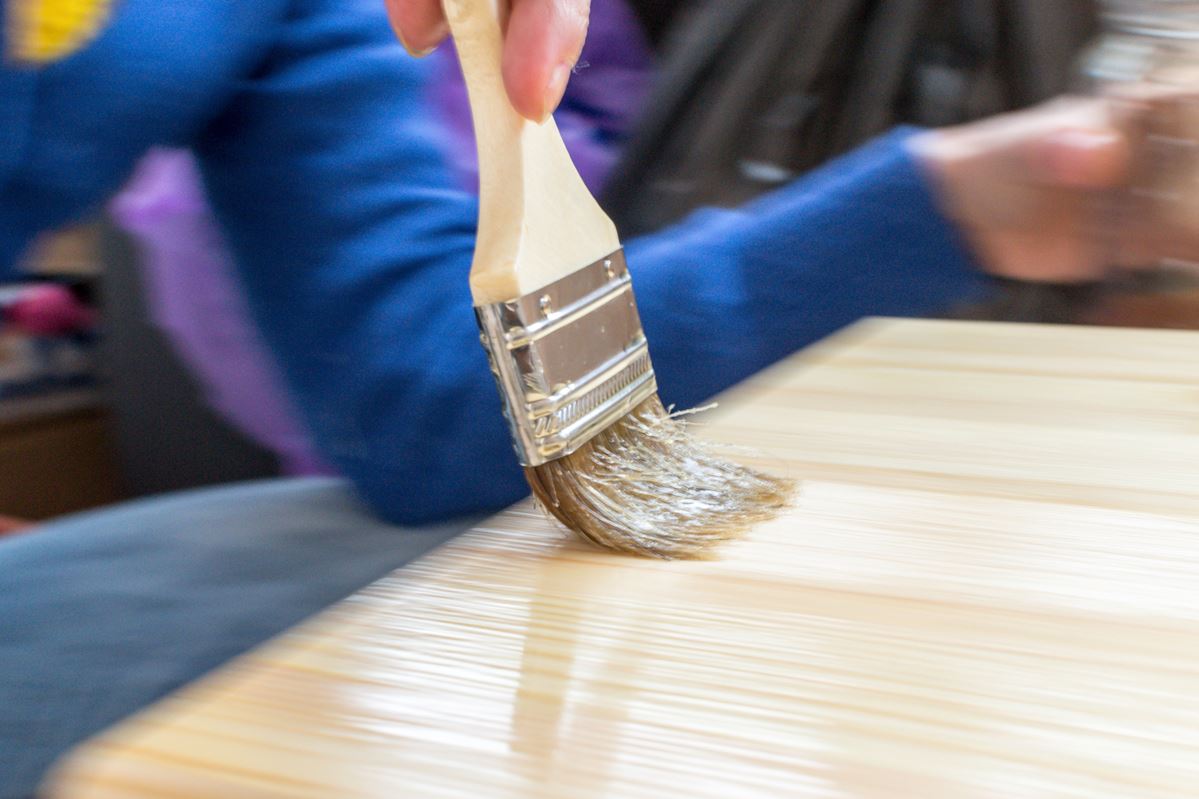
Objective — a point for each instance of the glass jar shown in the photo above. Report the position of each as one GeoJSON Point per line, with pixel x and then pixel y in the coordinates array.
{"type": "Point", "coordinates": [1147, 61]}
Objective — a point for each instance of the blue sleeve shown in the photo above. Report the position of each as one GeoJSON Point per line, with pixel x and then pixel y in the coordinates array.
{"type": "Point", "coordinates": [354, 245]}
{"type": "Point", "coordinates": [156, 74]}
{"type": "Point", "coordinates": [729, 292]}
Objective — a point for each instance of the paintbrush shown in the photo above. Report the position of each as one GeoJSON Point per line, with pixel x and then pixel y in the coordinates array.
{"type": "Point", "coordinates": [555, 306]}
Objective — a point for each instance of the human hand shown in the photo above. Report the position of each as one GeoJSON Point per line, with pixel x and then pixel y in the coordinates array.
{"type": "Point", "coordinates": [542, 42]}
{"type": "Point", "coordinates": [1024, 187]}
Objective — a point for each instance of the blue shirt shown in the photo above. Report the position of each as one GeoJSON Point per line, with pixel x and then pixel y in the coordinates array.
{"type": "Point", "coordinates": [353, 240]}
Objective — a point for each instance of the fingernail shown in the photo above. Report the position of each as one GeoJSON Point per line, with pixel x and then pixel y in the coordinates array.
{"type": "Point", "coordinates": [1085, 140]}
{"type": "Point", "coordinates": [555, 89]}
{"type": "Point", "coordinates": [438, 35]}
{"type": "Point", "coordinates": [1084, 157]}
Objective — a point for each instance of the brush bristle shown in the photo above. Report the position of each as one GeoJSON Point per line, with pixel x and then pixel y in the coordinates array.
{"type": "Point", "coordinates": [647, 487]}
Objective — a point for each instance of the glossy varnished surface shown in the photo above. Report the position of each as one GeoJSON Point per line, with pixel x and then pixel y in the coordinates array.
{"type": "Point", "coordinates": [989, 587]}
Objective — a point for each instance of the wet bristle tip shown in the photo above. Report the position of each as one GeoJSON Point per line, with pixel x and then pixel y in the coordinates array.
{"type": "Point", "coordinates": [646, 486]}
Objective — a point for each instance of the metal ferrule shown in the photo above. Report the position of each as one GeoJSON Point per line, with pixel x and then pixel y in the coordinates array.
{"type": "Point", "coordinates": [570, 359]}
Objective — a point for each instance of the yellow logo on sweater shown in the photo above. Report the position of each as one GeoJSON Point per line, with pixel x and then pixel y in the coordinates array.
{"type": "Point", "coordinates": [42, 31]}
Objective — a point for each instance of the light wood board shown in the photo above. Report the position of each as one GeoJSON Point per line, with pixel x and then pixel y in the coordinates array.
{"type": "Point", "coordinates": [989, 587]}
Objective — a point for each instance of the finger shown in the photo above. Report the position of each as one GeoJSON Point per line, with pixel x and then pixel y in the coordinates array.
{"type": "Point", "coordinates": [1072, 142]}
{"type": "Point", "coordinates": [1082, 158]}
{"type": "Point", "coordinates": [1059, 254]}
{"type": "Point", "coordinates": [419, 24]}
{"type": "Point", "coordinates": [541, 45]}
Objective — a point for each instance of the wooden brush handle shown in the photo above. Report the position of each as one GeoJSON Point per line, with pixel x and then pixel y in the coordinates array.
{"type": "Point", "coordinates": [537, 220]}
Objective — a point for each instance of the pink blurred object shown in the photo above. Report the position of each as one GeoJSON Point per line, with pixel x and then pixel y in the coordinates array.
{"type": "Point", "coordinates": [48, 310]}
{"type": "Point", "coordinates": [10, 525]}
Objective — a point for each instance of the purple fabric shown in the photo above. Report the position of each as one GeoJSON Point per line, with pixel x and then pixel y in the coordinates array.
{"type": "Point", "coordinates": [193, 295]}
{"type": "Point", "coordinates": [191, 285]}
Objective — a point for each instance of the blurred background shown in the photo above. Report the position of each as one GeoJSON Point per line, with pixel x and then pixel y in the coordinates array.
{"type": "Point", "coordinates": [121, 373]}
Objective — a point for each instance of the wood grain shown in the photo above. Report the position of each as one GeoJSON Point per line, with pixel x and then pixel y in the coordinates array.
{"type": "Point", "coordinates": [988, 588]}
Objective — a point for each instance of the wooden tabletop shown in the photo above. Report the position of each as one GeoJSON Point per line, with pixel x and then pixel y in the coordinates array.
{"type": "Point", "coordinates": [989, 587]}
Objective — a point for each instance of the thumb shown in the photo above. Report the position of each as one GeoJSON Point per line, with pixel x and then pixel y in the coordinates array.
{"type": "Point", "coordinates": [1083, 158]}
